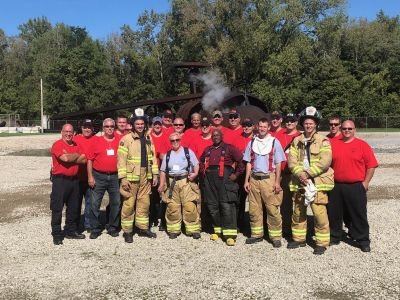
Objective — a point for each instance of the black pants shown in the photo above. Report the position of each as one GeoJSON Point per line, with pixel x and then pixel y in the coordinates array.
{"type": "Point", "coordinates": [350, 198]}
{"type": "Point", "coordinates": [65, 190]}
{"type": "Point", "coordinates": [155, 207]}
{"type": "Point", "coordinates": [222, 198]}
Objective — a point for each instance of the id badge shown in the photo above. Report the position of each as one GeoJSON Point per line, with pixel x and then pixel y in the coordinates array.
{"type": "Point", "coordinates": [175, 168]}
{"type": "Point", "coordinates": [110, 152]}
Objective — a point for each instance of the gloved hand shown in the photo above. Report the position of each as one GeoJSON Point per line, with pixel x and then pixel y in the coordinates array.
{"type": "Point", "coordinates": [310, 192]}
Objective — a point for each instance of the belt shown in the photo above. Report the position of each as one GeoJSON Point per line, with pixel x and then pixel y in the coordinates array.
{"type": "Point", "coordinates": [214, 167]}
{"type": "Point", "coordinates": [64, 176]}
{"type": "Point", "coordinates": [259, 177]}
{"type": "Point", "coordinates": [176, 178]}
{"type": "Point", "coordinates": [106, 173]}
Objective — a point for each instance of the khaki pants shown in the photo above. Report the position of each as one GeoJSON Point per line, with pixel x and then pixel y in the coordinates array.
{"type": "Point", "coordinates": [261, 191]}
{"type": "Point", "coordinates": [136, 204]}
{"type": "Point", "coordinates": [183, 205]}
{"type": "Point", "coordinates": [299, 219]}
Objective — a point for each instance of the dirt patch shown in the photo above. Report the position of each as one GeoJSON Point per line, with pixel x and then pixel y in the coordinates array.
{"type": "Point", "coordinates": [25, 203]}
{"type": "Point", "coordinates": [335, 295]}
{"type": "Point", "coordinates": [383, 192]}
{"type": "Point", "coordinates": [31, 152]}
{"type": "Point", "coordinates": [390, 166]}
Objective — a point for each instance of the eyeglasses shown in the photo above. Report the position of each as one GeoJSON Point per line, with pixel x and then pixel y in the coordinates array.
{"type": "Point", "coordinates": [276, 118]}
{"type": "Point", "coordinates": [179, 124]}
{"type": "Point", "coordinates": [333, 124]}
{"type": "Point", "coordinates": [217, 116]}
{"type": "Point", "coordinates": [108, 126]}
{"type": "Point", "coordinates": [234, 116]}
{"type": "Point", "coordinates": [290, 121]}
{"type": "Point", "coordinates": [87, 127]}
{"type": "Point", "coordinates": [175, 141]}
{"type": "Point", "coordinates": [347, 128]}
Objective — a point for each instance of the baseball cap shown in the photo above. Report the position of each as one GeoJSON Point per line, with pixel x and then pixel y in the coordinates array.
{"type": "Point", "coordinates": [87, 122]}
{"type": "Point", "coordinates": [247, 122]}
{"type": "Point", "coordinates": [216, 112]}
{"type": "Point", "coordinates": [276, 114]}
{"type": "Point", "coordinates": [156, 119]}
{"type": "Point", "coordinates": [291, 117]}
{"type": "Point", "coordinates": [205, 122]}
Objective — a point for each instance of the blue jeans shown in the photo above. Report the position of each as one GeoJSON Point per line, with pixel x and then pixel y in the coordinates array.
{"type": "Point", "coordinates": [109, 183]}
{"type": "Point", "coordinates": [84, 191]}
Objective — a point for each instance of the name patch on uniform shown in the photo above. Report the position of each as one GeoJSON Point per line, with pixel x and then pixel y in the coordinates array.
{"type": "Point", "coordinates": [110, 152]}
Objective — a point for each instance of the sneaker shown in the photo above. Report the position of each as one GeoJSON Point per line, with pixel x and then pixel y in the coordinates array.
{"type": "Point", "coordinates": [173, 236]}
{"type": "Point", "coordinates": [276, 244]}
{"type": "Point", "coordinates": [128, 237]}
{"type": "Point", "coordinates": [230, 242]}
{"type": "Point", "coordinates": [196, 235]}
{"type": "Point", "coordinates": [94, 235]}
{"type": "Point", "coordinates": [75, 236]}
{"type": "Point", "coordinates": [253, 240]}
{"type": "Point", "coordinates": [294, 244]}
{"type": "Point", "coordinates": [214, 237]}
{"type": "Point", "coordinates": [365, 248]}
{"type": "Point", "coordinates": [319, 250]}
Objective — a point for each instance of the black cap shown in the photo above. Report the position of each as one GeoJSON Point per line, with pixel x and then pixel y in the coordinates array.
{"type": "Point", "coordinates": [276, 114]}
{"type": "Point", "coordinates": [205, 122]}
{"type": "Point", "coordinates": [247, 122]}
{"type": "Point", "coordinates": [291, 117]}
{"type": "Point", "coordinates": [87, 123]}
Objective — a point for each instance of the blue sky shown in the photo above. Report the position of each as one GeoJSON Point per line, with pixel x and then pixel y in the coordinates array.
{"type": "Point", "coordinates": [103, 17]}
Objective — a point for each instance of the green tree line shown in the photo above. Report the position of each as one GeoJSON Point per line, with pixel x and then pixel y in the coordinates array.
{"type": "Point", "coordinates": [289, 53]}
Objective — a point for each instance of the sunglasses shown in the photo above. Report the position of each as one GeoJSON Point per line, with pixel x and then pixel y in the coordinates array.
{"type": "Point", "coordinates": [247, 124]}
{"type": "Point", "coordinates": [347, 128]}
{"type": "Point", "coordinates": [179, 124]}
{"type": "Point", "coordinates": [167, 116]}
{"type": "Point", "coordinates": [205, 125]}
{"type": "Point", "coordinates": [87, 127]}
{"type": "Point", "coordinates": [108, 126]}
{"type": "Point", "coordinates": [233, 116]}
{"type": "Point", "coordinates": [290, 121]}
{"type": "Point", "coordinates": [276, 118]}
{"type": "Point", "coordinates": [333, 124]}
{"type": "Point", "coordinates": [217, 116]}
{"type": "Point", "coordinates": [175, 141]}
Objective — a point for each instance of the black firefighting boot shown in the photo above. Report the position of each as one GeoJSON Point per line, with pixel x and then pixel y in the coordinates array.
{"type": "Point", "coordinates": [294, 244]}
{"type": "Point", "coordinates": [147, 233]}
{"type": "Point", "coordinates": [319, 250]}
{"type": "Point", "coordinates": [253, 240]}
{"type": "Point", "coordinates": [128, 236]}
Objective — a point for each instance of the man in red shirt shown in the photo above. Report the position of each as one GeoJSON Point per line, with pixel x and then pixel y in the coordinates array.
{"type": "Point", "coordinates": [102, 177]}
{"type": "Point", "coordinates": [334, 128]}
{"type": "Point", "coordinates": [161, 145]}
{"type": "Point", "coordinates": [287, 203]}
{"type": "Point", "coordinates": [167, 118]}
{"type": "Point", "coordinates": [217, 119]}
{"type": "Point", "coordinates": [193, 133]}
{"type": "Point", "coordinates": [66, 155]}
{"type": "Point", "coordinates": [84, 140]}
{"type": "Point", "coordinates": [276, 126]}
{"type": "Point", "coordinates": [354, 164]}
{"type": "Point", "coordinates": [246, 136]}
{"type": "Point", "coordinates": [122, 123]}
{"type": "Point", "coordinates": [235, 129]}
{"type": "Point", "coordinates": [203, 141]}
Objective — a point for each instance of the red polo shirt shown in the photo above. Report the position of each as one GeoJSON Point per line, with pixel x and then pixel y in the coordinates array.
{"type": "Point", "coordinates": [85, 144]}
{"type": "Point", "coordinates": [241, 143]}
{"type": "Point", "coordinates": [190, 136]}
{"type": "Point", "coordinates": [104, 154]}
{"type": "Point", "coordinates": [333, 138]}
{"type": "Point", "coordinates": [232, 135]}
{"type": "Point", "coordinates": [64, 168]}
{"type": "Point", "coordinates": [285, 140]}
{"type": "Point", "coordinates": [199, 145]}
{"type": "Point", "coordinates": [168, 130]}
{"type": "Point", "coordinates": [161, 144]}
{"type": "Point", "coordinates": [350, 161]}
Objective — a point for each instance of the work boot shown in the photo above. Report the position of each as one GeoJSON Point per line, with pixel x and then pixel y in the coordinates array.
{"type": "Point", "coordinates": [147, 233]}
{"type": "Point", "coordinates": [366, 248]}
{"type": "Point", "coordinates": [94, 235]}
{"type": "Point", "coordinates": [319, 250]}
{"type": "Point", "coordinates": [334, 242]}
{"type": "Point", "coordinates": [128, 236]}
{"type": "Point", "coordinates": [196, 235]}
{"type": "Point", "coordinates": [75, 236]}
{"type": "Point", "coordinates": [173, 236]}
{"type": "Point", "coordinates": [276, 243]}
{"type": "Point", "coordinates": [230, 242]}
{"type": "Point", "coordinates": [253, 240]}
{"type": "Point", "coordinates": [294, 244]}
{"type": "Point", "coordinates": [113, 233]}
{"type": "Point", "coordinates": [215, 237]}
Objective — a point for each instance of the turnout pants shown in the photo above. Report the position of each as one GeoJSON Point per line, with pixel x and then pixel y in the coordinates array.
{"type": "Point", "coordinates": [183, 205]}
{"type": "Point", "coordinates": [299, 219]}
{"type": "Point", "coordinates": [350, 198]}
{"type": "Point", "coordinates": [261, 192]}
{"type": "Point", "coordinates": [65, 190]}
{"type": "Point", "coordinates": [136, 204]}
{"type": "Point", "coordinates": [221, 196]}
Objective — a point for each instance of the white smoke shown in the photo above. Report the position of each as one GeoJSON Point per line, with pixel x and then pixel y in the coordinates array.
{"type": "Point", "coordinates": [214, 88]}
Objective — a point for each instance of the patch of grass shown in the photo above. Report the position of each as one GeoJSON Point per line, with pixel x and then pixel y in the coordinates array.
{"type": "Point", "coordinates": [378, 129]}
{"type": "Point", "coordinates": [6, 134]}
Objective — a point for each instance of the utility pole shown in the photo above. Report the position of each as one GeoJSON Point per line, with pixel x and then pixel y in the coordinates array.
{"type": "Point", "coordinates": [41, 106]}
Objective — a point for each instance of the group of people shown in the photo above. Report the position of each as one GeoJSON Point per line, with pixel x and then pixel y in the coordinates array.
{"type": "Point", "coordinates": [158, 173]}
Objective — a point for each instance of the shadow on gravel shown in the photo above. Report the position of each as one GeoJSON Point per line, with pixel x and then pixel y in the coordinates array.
{"type": "Point", "coordinates": [31, 152]}
{"type": "Point", "coordinates": [383, 192]}
{"type": "Point", "coordinates": [335, 295]}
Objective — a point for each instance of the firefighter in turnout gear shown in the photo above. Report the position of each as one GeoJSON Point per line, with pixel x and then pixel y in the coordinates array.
{"type": "Point", "coordinates": [137, 167]}
{"type": "Point", "coordinates": [179, 169]}
{"type": "Point", "coordinates": [310, 157]}
{"type": "Point", "coordinates": [264, 155]}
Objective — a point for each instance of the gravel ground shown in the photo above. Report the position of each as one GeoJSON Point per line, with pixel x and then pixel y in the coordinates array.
{"type": "Point", "coordinates": [107, 268]}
